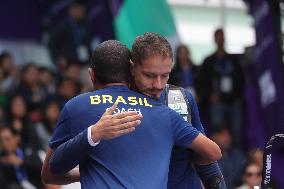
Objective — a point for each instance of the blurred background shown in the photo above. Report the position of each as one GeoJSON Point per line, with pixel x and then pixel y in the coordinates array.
{"type": "Point", "coordinates": [229, 53]}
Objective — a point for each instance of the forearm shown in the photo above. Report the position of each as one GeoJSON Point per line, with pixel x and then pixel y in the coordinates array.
{"type": "Point", "coordinates": [207, 150]}
{"type": "Point", "coordinates": [199, 160]}
{"type": "Point", "coordinates": [49, 178]}
{"type": "Point", "coordinates": [69, 154]}
{"type": "Point", "coordinates": [68, 178]}
{"type": "Point", "coordinates": [211, 176]}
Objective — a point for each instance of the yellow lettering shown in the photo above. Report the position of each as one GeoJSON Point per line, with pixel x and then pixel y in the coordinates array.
{"type": "Point", "coordinates": [107, 98]}
{"type": "Point", "coordinates": [120, 99]}
{"type": "Point", "coordinates": [95, 99]}
{"type": "Point", "coordinates": [132, 100]}
{"type": "Point", "coordinates": [146, 102]}
{"type": "Point", "coordinates": [140, 101]}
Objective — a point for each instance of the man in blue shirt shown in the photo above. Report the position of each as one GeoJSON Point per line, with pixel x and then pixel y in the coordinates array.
{"type": "Point", "coordinates": [137, 160]}
{"type": "Point", "coordinates": [150, 71]}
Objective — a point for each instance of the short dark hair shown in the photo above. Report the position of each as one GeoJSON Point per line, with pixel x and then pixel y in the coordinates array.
{"type": "Point", "coordinates": [110, 60]}
{"type": "Point", "coordinates": [150, 44]}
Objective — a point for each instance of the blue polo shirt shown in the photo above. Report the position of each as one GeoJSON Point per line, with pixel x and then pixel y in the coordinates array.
{"type": "Point", "coordinates": [182, 174]}
{"type": "Point", "coordinates": [136, 160]}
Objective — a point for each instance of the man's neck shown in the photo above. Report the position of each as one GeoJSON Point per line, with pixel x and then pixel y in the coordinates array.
{"type": "Point", "coordinates": [99, 86]}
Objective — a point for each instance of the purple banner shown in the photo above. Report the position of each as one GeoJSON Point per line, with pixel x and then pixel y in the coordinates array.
{"type": "Point", "coordinates": [20, 19]}
{"type": "Point", "coordinates": [268, 75]}
{"type": "Point", "coordinates": [28, 19]}
{"type": "Point", "coordinates": [269, 66]}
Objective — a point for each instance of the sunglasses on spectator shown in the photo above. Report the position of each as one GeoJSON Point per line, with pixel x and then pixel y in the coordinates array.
{"type": "Point", "coordinates": [250, 174]}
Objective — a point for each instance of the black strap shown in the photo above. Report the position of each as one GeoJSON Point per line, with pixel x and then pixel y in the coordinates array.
{"type": "Point", "coordinates": [167, 92]}
{"type": "Point", "coordinates": [187, 104]}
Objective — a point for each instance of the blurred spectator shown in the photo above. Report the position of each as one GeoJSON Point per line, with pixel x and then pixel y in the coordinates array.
{"type": "Point", "coordinates": [87, 84]}
{"type": "Point", "coordinates": [2, 77]}
{"type": "Point", "coordinates": [47, 80]}
{"type": "Point", "coordinates": [29, 87]}
{"type": "Point", "coordinates": [45, 128]}
{"type": "Point", "coordinates": [13, 164]}
{"type": "Point", "coordinates": [2, 117]}
{"type": "Point", "coordinates": [251, 176]}
{"type": "Point", "coordinates": [233, 160]}
{"type": "Point", "coordinates": [256, 156]}
{"type": "Point", "coordinates": [8, 73]}
{"type": "Point", "coordinates": [222, 84]}
{"type": "Point", "coordinates": [18, 120]}
{"type": "Point", "coordinates": [70, 40]}
{"type": "Point", "coordinates": [73, 71]}
{"type": "Point", "coordinates": [184, 72]}
{"type": "Point", "coordinates": [67, 88]}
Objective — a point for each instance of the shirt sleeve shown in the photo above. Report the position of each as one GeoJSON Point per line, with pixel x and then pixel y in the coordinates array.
{"type": "Point", "coordinates": [90, 140]}
{"type": "Point", "coordinates": [195, 118]}
{"type": "Point", "coordinates": [183, 132]}
{"type": "Point", "coordinates": [69, 154]}
{"type": "Point", "coordinates": [62, 132]}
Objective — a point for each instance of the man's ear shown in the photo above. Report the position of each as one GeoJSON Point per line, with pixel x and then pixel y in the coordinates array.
{"type": "Point", "coordinates": [131, 63]}
{"type": "Point", "coordinates": [92, 75]}
{"type": "Point", "coordinates": [131, 66]}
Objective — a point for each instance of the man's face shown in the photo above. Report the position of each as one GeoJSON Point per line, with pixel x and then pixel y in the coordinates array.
{"type": "Point", "coordinates": [152, 74]}
{"type": "Point", "coordinates": [219, 39]}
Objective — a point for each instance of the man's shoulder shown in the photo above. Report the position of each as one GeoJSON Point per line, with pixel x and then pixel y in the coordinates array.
{"type": "Point", "coordinates": [210, 58]}
{"type": "Point", "coordinates": [79, 98]}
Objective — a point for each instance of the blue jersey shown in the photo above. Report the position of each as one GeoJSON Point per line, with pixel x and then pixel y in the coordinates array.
{"type": "Point", "coordinates": [182, 175]}
{"type": "Point", "coordinates": [137, 160]}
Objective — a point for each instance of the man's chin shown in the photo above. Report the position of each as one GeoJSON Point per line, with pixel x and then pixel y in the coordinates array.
{"type": "Point", "coordinates": [155, 96]}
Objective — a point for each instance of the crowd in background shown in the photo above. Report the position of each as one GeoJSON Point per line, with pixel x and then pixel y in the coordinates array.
{"type": "Point", "coordinates": [32, 96]}
{"type": "Point", "coordinates": [218, 85]}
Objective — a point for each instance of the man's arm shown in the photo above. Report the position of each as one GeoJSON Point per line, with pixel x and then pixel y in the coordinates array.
{"type": "Point", "coordinates": [210, 174]}
{"type": "Point", "coordinates": [195, 118]}
{"type": "Point", "coordinates": [187, 136]}
{"type": "Point", "coordinates": [60, 135]}
{"type": "Point", "coordinates": [108, 127]}
{"type": "Point", "coordinates": [77, 148]}
{"type": "Point", "coordinates": [49, 178]}
{"type": "Point", "coordinates": [207, 150]}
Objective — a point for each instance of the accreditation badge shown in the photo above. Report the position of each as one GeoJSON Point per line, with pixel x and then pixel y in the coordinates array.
{"type": "Point", "coordinates": [180, 108]}
{"type": "Point", "coordinates": [177, 102]}
{"type": "Point", "coordinates": [82, 52]}
{"type": "Point", "coordinates": [226, 84]}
